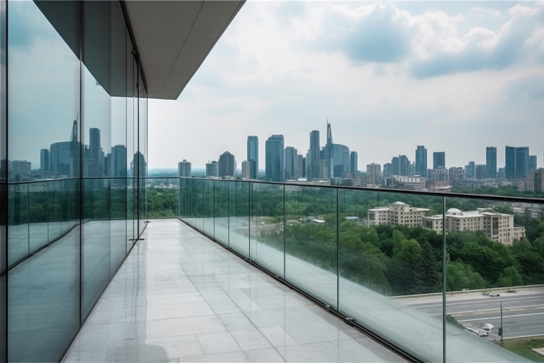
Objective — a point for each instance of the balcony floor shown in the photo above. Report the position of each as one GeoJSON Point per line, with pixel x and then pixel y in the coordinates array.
{"type": "Point", "coordinates": [181, 297]}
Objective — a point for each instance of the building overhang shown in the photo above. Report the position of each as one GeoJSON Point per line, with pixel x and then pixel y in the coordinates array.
{"type": "Point", "coordinates": [174, 37]}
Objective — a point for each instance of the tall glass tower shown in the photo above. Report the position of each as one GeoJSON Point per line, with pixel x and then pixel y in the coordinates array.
{"type": "Point", "coordinates": [421, 161]}
{"type": "Point", "coordinates": [491, 162]}
{"type": "Point", "coordinates": [439, 159]}
{"type": "Point", "coordinates": [274, 158]}
{"type": "Point", "coordinates": [253, 156]}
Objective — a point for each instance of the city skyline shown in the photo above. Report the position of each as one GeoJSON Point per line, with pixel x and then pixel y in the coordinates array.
{"type": "Point", "coordinates": [283, 68]}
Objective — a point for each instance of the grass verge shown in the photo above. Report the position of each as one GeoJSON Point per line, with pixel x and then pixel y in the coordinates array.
{"type": "Point", "coordinates": [524, 347]}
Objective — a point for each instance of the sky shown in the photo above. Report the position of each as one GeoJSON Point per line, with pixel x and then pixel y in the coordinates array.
{"type": "Point", "coordinates": [388, 76]}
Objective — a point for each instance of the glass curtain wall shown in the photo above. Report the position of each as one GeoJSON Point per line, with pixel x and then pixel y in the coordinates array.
{"type": "Point", "coordinates": [73, 145]}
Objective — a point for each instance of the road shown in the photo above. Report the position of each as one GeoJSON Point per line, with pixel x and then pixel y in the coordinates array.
{"type": "Point", "coordinates": [523, 312]}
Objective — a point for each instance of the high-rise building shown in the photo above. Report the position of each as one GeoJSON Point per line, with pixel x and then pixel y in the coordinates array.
{"type": "Point", "coordinates": [274, 158]}
{"type": "Point", "coordinates": [253, 156]}
{"type": "Point", "coordinates": [439, 159]}
{"type": "Point", "coordinates": [421, 161]}
{"type": "Point", "coordinates": [387, 172]}
{"type": "Point", "coordinates": [481, 171]}
{"type": "Point", "coordinates": [314, 156]}
{"type": "Point", "coordinates": [291, 166]}
{"type": "Point", "coordinates": [44, 159]}
{"type": "Point", "coordinates": [19, 170]}
{"type": "Point", "coordinates": [118, 161]}
{"type": "Point", "coordinates": [535, 180]}
{"type": "Point", "coordinates": [227, 165]}
{"type": "Point", "coordinates": [212, 169]}
{"type": "Point", "coordinates": [246, 169]}
{"type": "Point", "coordinates": [374, 173]}
{"type": "Point", "coordinates": [353, 162]}
{"type": "Point", "coordinates": [60, 159]}
{"type": "Point", "coordinates": [404, 165]}
{"type": "Point", "coordinates": [491, 162]}
{"type": "Point", "coordinates": [395, 165]}
{"type": "Point", "coordinates": [510, 162]}
{"type": "Point", "coordinates": [184, 169]}
{"type": "Point", "coordinates": [300, 167]}
{"type": "Point", "coordinates": [340, 162]}
{"type": "Point", "coordinates": [330, 155]}
{"type": "Point", "coordinates": [470, 170]}
{"type": "Point", "coordinates": [532, 162]}
{"type": "Point", "coordinates": [94, 162]}
{"type": "Point", "coordinates": [456, 173]}
{"type": "Point", "coordinates": [522, 162]}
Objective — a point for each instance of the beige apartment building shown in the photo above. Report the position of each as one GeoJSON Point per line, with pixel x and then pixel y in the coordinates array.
{"type": "Point", "coordinates": [398, 213]}
{"type": "Point", "coordinates": [498, 227]}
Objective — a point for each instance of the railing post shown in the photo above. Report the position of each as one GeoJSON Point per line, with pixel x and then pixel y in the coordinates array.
{"type": "Point", "coordinates": [337, 250]}
{"type": "Point", "coordinates": [284, 231]}
{"type": "Point", "coordinates": [444, 262]}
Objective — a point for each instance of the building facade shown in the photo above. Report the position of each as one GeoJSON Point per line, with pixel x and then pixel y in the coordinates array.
{"type": "Point", "coordinates": [227, 165]}
{"type": "Point", "coordinates": [421, 161]}
{"type": "Point", "coordinates": [499, 227]}
{"type": "Point", "coordinates": [398, 213]}
{"type": "Point", "coordinates": [184, 169]}
{"type": "Point", "coordinates": [491, 162]}
{"type": "Point", "coordinates": [439, 159]}
{"type": "Point", "coordinates": [253, 156]}
{"type": "Point", "coordinates": [275, 158]}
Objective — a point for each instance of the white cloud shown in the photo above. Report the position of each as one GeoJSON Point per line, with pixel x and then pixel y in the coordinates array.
{"type": "Point", "coordinates": [486, 11]}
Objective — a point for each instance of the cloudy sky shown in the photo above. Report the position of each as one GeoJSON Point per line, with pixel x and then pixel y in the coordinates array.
{"type": "Point", "coordinates": [453, 76]}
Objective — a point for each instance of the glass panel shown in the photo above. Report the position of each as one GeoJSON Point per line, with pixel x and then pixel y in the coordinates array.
{"type": "Point", "coordinates": [118, 223]}
{"type": "Point", "coordinates": [162, 195]}
{"type": "Point", "coordinates": [183, 190]}
{"type": "Point", "coordinates": [267, 231]}
{"type": "Point", "coordinates": [208, 208]}
{"type": "Point", "coordinates": [222, 212]}
{"type": "Point", "coordinates": [495, 265]}
{"type": "Point", "coordinates": [38, 196]}
{"type": "Point", "coordinates": [239, 217]}
{"type": "Point", "coordinates": [17, 222]}
{"type": "Point", "coordinates": [310, 241]}
{"type": "Point", "coordinates": [96, 241]}
{"type": "Point", "coordinates": [53, 210]}
{"type": "Point", "coordinates": [388, 263]}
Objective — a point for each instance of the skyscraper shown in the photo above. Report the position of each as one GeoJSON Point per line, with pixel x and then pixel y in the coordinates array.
{"type": "Point", "coordinates": [439, 159]}
{"type": "Point", "coordinates": [532, 162]}
{"type": "Point", "coordinates": [353, 162]}
{"type": "Point", "coordinates": [212, 170]}
{"type": "Point", "coordinates": [374, 173]}
{"type": "Point", "coordinates": [522, 162]}
{"type": "Point", "coordinates": [60, 158]}
{"type": "Point", "coordinates": [330, 153]}
{"type": "Point", "coordinates": [421, 161]}
{"type": "Point", "coordinates": [404, 165]}
{"type": "Point", "coordinates": [246, 170]}
{"type": "Point", "coordinates": [315, 157]}
{"type": "Point", "coordinates": [274, 158]}
{"type": "Point", "coordinates": [118, 161]}
{"type": "Point", "coordinates": [340, 162]}
{"type": "Point", "coordinates": [184, 168]}
{"type": "Point", "coordinates": [227, 165]}
{"type": "Point", "coordinates": [44, 159]}
{"type": "Point", "coordinates": [253, 156]}
{"type": "Point", "coordinates": [491, 162]}
{"type": "Point", "coordinates": [510, 162]}
{"type": "Point", "coordinates": [395, 167]}
{"type": "Point", "coordinates": [94, 161]}
{"type": "Point", "coordinates": [470, 170]}
{"type": "Point", "coordinates": [291, 163]}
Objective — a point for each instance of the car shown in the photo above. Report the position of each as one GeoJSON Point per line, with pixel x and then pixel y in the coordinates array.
{"type": "Point", "coordinates": [488, 326]}
{"type": "Point", "coordinates": [494, 294]}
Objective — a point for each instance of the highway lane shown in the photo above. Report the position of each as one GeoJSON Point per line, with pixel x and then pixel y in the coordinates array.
{"type": "Point", "coordinates": [523, 314]}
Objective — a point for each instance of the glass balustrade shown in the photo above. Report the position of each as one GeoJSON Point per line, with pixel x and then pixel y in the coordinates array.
{"type": "Point", "coordinates": [383, 259]}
